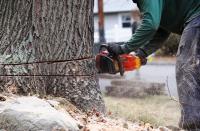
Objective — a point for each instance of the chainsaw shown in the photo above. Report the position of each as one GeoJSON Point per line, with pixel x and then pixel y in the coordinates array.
{"type": "Point", "coordinates": [107, 62]}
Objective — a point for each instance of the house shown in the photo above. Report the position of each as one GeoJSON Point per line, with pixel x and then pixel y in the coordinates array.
{"type": "Point", "coordinates": [118, 20]}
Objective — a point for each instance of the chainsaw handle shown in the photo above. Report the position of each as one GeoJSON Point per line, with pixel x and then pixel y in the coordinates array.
{"type": "Point", "coordinates": [117, 58]}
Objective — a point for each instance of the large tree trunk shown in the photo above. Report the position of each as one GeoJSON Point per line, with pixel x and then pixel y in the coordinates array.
{"type": "Point", "coordinates": [46, 49]}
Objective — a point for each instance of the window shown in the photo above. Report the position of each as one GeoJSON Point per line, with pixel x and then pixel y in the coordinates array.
{"type": "Point", "coordinates": [126, 21]}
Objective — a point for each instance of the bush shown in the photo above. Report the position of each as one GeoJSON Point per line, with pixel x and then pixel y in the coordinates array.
{"type": "Point", "coordinates": [170, 46]}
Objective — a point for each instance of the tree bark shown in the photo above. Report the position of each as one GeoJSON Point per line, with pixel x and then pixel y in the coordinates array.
{"type": "Point", "coordinates": [54, 40]}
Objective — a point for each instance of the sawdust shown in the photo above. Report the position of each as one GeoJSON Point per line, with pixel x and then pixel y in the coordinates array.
{"type": "Point", "coordinates": [95, 121]}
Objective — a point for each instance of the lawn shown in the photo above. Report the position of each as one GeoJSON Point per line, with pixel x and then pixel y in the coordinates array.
{"type": "Point", "coordinates": [156, 110]}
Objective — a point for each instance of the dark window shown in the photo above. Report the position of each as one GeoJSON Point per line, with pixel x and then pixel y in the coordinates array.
{"type": "Point", "coordinates": [126, 25]}
{"type": "Point", "coordinates": [126, 21]}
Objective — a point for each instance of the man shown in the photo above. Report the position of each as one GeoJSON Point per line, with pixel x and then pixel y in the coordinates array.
{"type": "Point", "coordinates": [160, 18]}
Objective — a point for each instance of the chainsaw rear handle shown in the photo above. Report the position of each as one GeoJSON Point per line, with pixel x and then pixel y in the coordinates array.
{"type": "Point", "coordinates": [117, 58]}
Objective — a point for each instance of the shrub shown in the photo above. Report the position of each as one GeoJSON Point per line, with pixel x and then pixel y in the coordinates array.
{"type": "Point", "coordinates": [170, 46]}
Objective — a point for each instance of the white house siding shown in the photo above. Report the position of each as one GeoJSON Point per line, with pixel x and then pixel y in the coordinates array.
{"type": "Point", "coordinates": [112, 6]}
{"type": "Point", "coordinates": [114, 32]}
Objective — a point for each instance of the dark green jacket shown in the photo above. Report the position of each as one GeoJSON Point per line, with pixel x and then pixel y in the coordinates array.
{"type": "Point", "coordinates": [160, 18]}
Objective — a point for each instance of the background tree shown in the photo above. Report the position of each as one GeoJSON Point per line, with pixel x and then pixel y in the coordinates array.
{"type": "Point", "coordinates": [46, 49]}
{"type": "Point", "coordinates": [170, 46]}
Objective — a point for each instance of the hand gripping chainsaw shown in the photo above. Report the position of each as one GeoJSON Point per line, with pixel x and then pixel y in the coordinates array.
{"type": "Point", "coordinates": [107, 62]}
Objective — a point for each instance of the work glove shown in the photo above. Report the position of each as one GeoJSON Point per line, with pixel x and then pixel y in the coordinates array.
{"type": "Point", "coordinates": [142, 55]}
{"type": "Point", "coordinates": [115, 49]}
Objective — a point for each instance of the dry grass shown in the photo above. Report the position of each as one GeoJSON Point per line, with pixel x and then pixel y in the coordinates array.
{"type": "Point", "coordinates": [156, 110]}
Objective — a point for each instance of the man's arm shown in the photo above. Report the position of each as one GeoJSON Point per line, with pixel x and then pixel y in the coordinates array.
{"type": "Point", "coordinates": [152, 11]}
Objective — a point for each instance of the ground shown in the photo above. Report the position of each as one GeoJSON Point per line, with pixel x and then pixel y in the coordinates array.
{"type": "Point", "coordinates": [90, 121]}
{"type": "Point", "coordinates": [157, 110]}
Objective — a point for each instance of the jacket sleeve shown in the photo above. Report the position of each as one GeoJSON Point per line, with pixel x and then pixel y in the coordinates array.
{"type": "Point", "coordinates": [151, 10]}
{"type": "Point", "coordinates": [158, 40]}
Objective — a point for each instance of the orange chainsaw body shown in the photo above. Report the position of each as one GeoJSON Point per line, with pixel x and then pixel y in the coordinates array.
{"type": "Point", "coordinates": [130, 62]}
{"type": "Point", "coordinates": [109, 63]}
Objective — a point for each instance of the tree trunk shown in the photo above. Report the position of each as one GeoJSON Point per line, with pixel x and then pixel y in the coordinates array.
{"type": "Point", "coordinates": [46, 49]}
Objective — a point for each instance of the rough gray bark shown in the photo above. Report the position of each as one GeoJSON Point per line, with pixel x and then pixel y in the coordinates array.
{"type": "Point", "coordinates": [49, 30]}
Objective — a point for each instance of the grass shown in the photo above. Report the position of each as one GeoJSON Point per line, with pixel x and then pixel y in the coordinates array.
{"type": "Point", "coordinates": [156, 110]}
